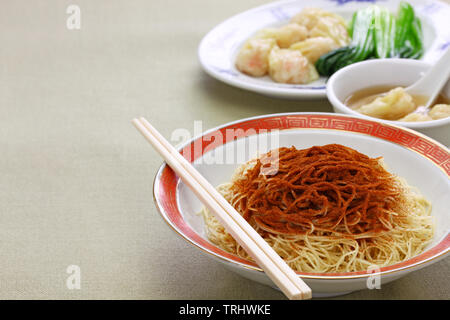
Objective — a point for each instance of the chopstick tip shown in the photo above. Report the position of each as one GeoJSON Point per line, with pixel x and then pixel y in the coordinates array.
{"type": "Point", "coordinates": [307, 294]}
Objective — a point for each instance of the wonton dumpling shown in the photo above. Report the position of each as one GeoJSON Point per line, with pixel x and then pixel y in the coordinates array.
{"type": "Point", "coordinates": [416, 117]}
{"type": "Point", "coordinates": [253, 58]}
{"type": "Point", "coordinates": [313, 48]}
{"type": "Point", "coordinates": [440, 111]}
{"type": "Point", "coordinates": [285, 35]}
{"type": "Point", "coordinates": [331, 27]}
{"type": "Point", "coordinates": [309, 17]}
{"type": "Point", "coordinates": [394, 105]}
{"type": "Point", "coordinates": [289, 66]}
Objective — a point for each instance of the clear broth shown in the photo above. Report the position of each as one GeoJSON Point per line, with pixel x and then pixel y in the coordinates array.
{"type": "Point", "coordinates": [367, 95]}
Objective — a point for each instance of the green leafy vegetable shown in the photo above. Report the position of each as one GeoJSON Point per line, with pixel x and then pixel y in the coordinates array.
{"type": "Point", "coordinates": [377, 33]}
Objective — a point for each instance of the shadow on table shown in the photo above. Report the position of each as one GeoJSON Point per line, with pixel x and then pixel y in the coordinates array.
{"type": "Point", "coordinates": [250, 103]}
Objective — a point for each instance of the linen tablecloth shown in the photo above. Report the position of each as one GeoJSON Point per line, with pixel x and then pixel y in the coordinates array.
{"type": "Point", "coordinates": [76, 177]}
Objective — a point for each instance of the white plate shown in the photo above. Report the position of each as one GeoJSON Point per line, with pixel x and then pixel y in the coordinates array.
{"type": "Point", "coordinates": [218, 49]}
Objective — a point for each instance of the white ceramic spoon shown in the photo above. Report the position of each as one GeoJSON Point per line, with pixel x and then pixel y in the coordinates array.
{"type": "Point", "coordinates": [432, 82]}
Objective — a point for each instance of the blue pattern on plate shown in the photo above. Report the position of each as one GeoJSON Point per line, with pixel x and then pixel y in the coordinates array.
{"type": "Point", "coordinates": [227, 71]}
{"type": "Point", "coordinates": [305, 87]}
{"type": "Point", "coordinates": [444, 46]}
{"type": "Point", "coordinates": [279, 14]}
{"type": "Point", "coordinates": [343, 2]}
{"type": "Point", "coordinates": [431, 8]}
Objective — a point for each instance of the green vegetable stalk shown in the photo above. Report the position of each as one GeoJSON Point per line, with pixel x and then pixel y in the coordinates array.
{"type": "Point", "coordinates": [384, 29]}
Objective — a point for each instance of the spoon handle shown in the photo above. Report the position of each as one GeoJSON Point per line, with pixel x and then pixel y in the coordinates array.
{"type": "Point", "coordinates": [434, 79]}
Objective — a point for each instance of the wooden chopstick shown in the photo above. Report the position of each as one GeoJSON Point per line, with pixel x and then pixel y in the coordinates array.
{"type": "Point", "coordinates": [274, 266]}
{"type": "Point", "coordinates": [229, 209]}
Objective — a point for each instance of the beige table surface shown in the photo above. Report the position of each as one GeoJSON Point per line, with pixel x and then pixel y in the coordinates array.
{"type": "Point", "coordinates": [76, 177]}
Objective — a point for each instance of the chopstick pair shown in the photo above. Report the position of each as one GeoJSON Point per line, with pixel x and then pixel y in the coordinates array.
{"type": "Point", "coordinates": [273, 265]}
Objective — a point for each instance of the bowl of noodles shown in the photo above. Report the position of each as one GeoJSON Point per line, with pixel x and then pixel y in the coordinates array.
{"type": "Point", "coordinates": [348, 203]}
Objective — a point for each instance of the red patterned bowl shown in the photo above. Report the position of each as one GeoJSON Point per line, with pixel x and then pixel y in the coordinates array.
{"type": "Point", "coordinates": [423, 162]}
